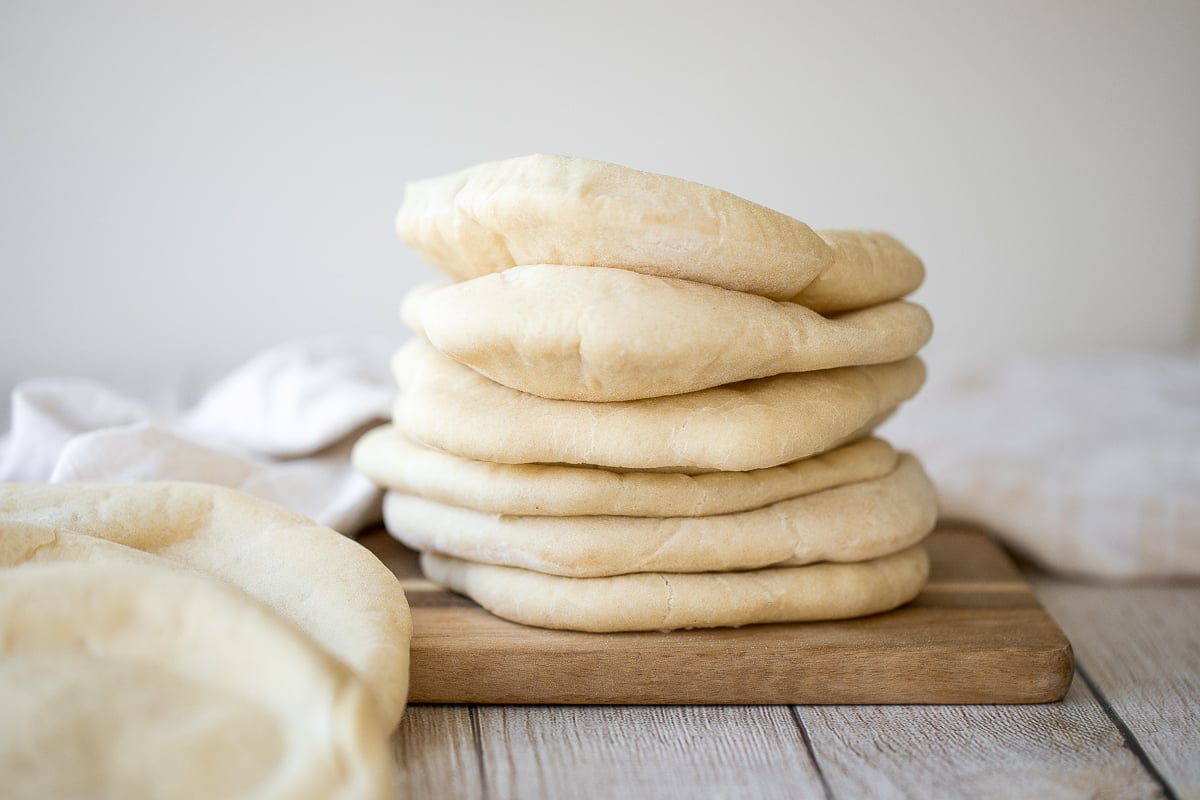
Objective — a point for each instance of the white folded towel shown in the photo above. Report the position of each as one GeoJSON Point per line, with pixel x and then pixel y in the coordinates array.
{"type": "Point", "coordinates": [1089, 465]}
{"type": "Point", "coordinates": [280, 427]}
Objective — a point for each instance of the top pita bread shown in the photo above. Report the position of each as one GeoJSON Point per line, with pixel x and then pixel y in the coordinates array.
{"type": "Point", "coordinates": [322, 582]}
{"type": "Point", "coordinates": [744, 426]}
{"type": "Point", "coordinates": [543, 209]}
{"type": "Point", "coordinates": [603, 334]}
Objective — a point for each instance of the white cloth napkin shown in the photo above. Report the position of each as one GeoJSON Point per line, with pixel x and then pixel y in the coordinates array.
{"type": "Point", "coordinates": [1089, 465]}
{"type": "Point", "coordinates": [279, 427]}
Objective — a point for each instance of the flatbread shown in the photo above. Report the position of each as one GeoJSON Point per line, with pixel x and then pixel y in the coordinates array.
{"type": "Point", "coordinates": [414, 300]}
{"type": "Point", "coordinates": [745, 426]}
{"type": "Point", "coordinates": [545, 209]}
{"type": "Point", "coordinates": [869, 267]}
{"type": "Point", "coordinates": [661, 601]}
{"type": "Point", "coordinates": [394, 461]}
{"type": "Point", "coordinates": [124, 680]}
{"type": "Point", "coordinates": [855, 522]}
{"type": "Point", "coordinates": [609, 334]}
{"type": "Point", "coordinates": [325, 584]}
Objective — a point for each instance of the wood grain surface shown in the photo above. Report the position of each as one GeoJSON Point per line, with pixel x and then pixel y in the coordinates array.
{"type": "Point", "coordinates": [1067, 749]}
{"type": "Point", "coordinates": [437, 754]}
{"type": "Point", "coordinates": [1070, 749]}
{"type": "Point", "coordinates": [1139, 652]}
{"type": "Point", "coordinates": [630, 750]}
{"type": "Point", "coordinates": [976, 634]}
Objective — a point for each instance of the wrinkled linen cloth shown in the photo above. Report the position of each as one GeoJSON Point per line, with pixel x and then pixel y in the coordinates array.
{"type": "Point", "coordinates": [280, 427]}
{"type": "Point", "coordinates": [1088, 465]}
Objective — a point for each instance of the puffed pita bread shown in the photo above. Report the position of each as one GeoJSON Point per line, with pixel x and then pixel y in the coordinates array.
{"type": "Point", "coordinates": [609, 334]}
{"type": "Point", "coordinates": [124, 680]}
{"type": "Point", "coordinates": [663, 601]}
{"type": "Point", "coordinates": [546, 209]}
{"type": "Point", "coordinates": [326, 584]}
{"type": "Point", "coordinates": [414, 300]}
{"type": "Point", "coordinates": [392, 460]}
{"type": "Point", "coordinates": [869, 267]}
{"type": "Point", "coordinates": [855, 522]}
{"type": "Point", "coordinates": [745, 426]}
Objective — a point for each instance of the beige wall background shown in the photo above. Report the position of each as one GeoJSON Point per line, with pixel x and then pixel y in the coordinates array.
{"type": "Point", "coordinates": [184, 184]}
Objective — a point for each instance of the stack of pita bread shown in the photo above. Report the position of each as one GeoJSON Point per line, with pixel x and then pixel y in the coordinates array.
{"type": "Point", "coordinates": [184, 640]}
{"type": "Point", "coordinates": [647, 404]}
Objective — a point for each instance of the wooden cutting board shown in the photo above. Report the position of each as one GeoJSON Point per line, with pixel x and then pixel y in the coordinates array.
{"type": "Point", "coordinates": [975, 634]}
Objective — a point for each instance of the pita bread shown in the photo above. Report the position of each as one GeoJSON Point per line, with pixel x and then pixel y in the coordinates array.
{"type": "Point", "coordinates": [325, 584]}
{"type": "Point", "coordinates": [868, 268]}
{"type": "Point", "coordinates": [414, 300]}
{"type": "Point", "coordinates": [609, 334]}
{"type": "Point", "coordinates": [658, 601]}
{"type": "Point", "coordinates": [545, 209]}
{"type": "Point", "coordinates": [745, 426]}
{"type": "Point", "coordinates": [33, 543]}
{"type": "Point", "coordinates": [855, 522]}
{"type": "Point", "coordinates": [391, 459]}
{"type": "Point", "coordinates": [125, 680]}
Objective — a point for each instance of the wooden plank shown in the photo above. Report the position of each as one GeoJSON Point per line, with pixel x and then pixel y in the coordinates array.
{"type": "Point", "coordinates": [1064, 750]}
{"type": "Point", "coordinates": [1140, 648]}
{"type": "Point", "coordinates": [645, 752]}
{"type": "Point", "coordinates": [976, 634]}
{"type": "Point", "coordinates": [437, 754]}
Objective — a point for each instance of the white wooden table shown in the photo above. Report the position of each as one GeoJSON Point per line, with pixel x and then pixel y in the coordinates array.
{"type": "Point", "coordinates": [1128, 728]}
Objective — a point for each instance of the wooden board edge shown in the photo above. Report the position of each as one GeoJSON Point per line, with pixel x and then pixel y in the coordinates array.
{"type": "Point", "coordinates": [1047, 672]}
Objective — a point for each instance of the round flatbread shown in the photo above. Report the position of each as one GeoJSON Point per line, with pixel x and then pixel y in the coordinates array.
{"type": "Point", "coordinates": [869, 268]}
{"type": "Point", "coordinates": [394, 461]}
{"type": "Point", "coordinates": [545, 209]}
{"type": "Point", "coordinates": [329, 586]}
{"type": "Point", "coordinates": [126, 680]}
{"type": "Point", "coordinates": [660, 601]}
{"type": "Point", "coordinates": [855, 522]}
{"type": "Point", "coordinates": [744, 426]}
{"type": "Point", "coordinates": [609, 334]}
